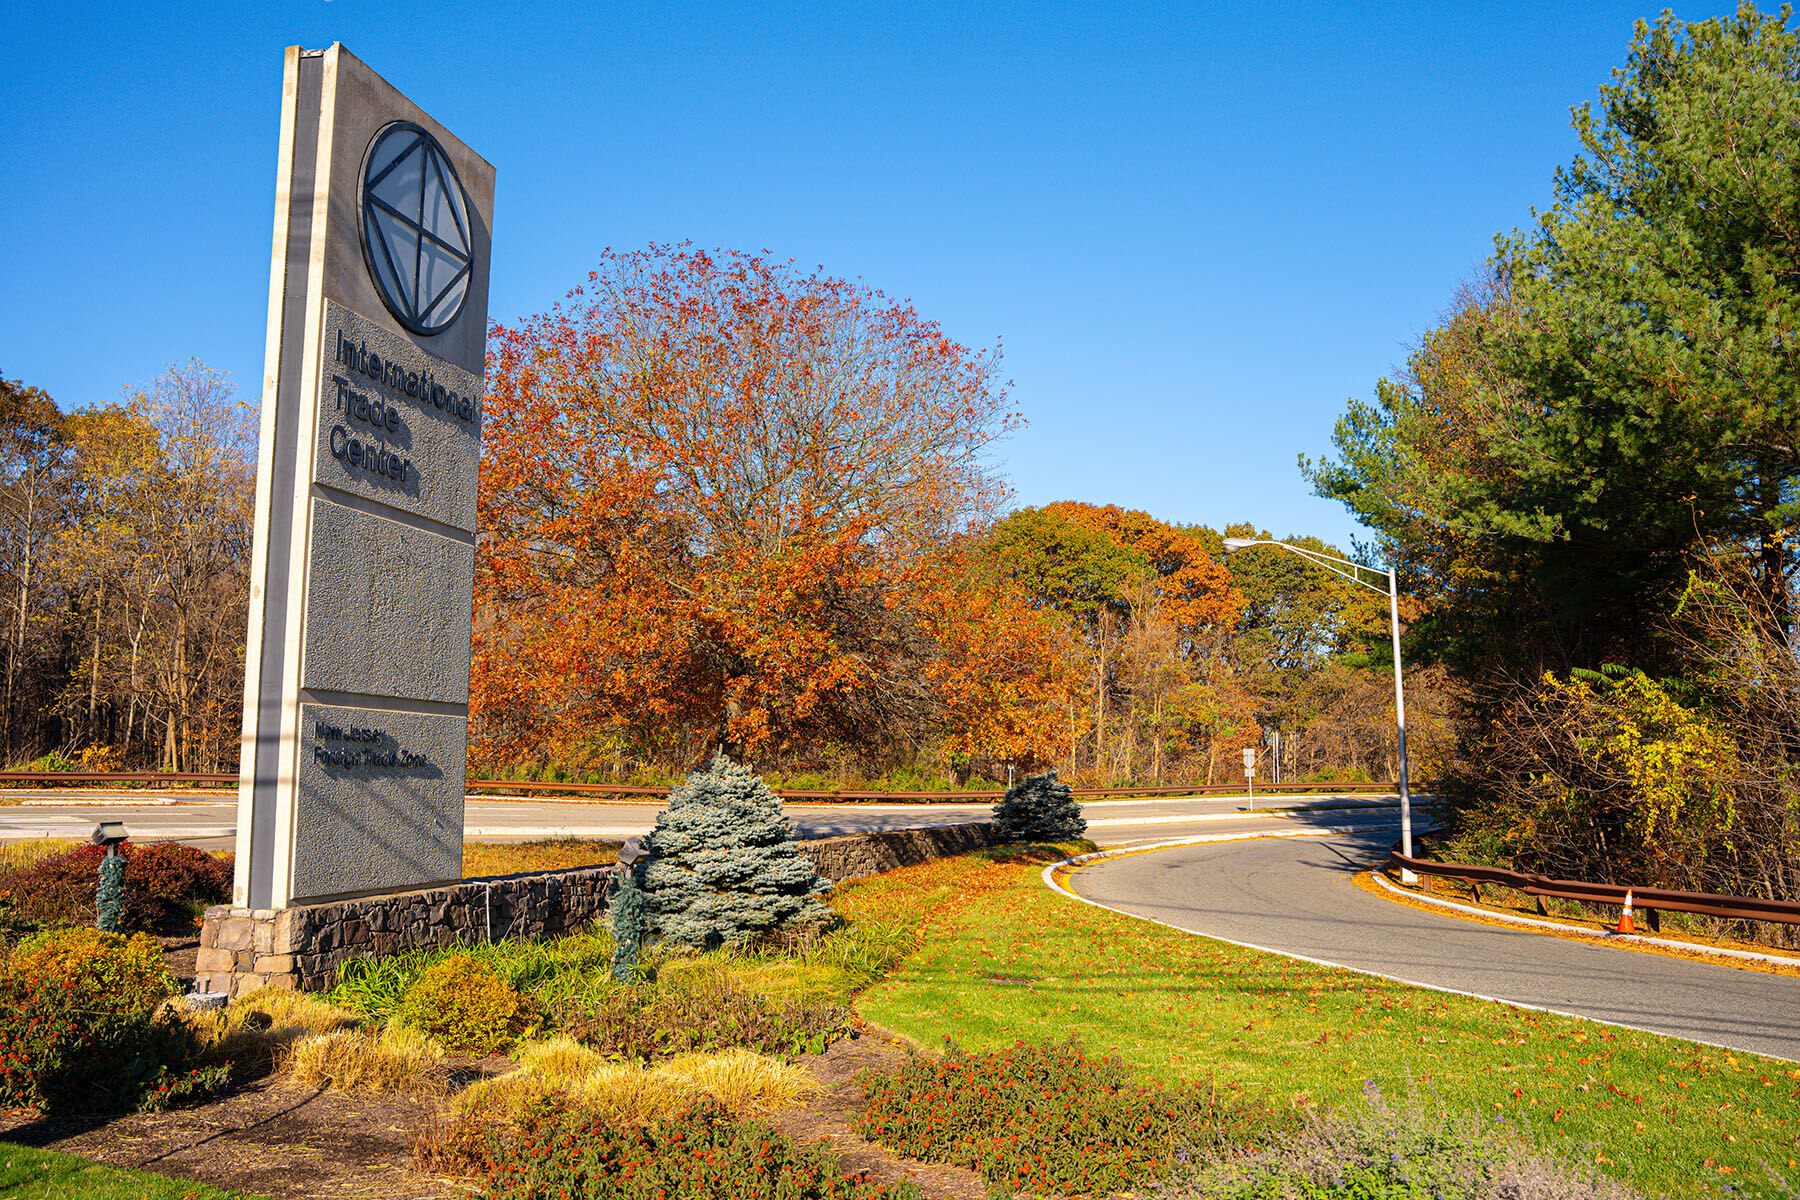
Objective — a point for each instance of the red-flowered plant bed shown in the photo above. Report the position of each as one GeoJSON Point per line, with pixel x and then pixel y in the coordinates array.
{"type": "Point", "coordinates": [81, 1029]}
{"type": "Point", "coordinates": [1043, 1117]}
{"type": "Point", "coordinates": [702, 1154]}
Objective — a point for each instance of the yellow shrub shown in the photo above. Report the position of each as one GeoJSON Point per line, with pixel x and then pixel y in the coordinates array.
{"type": "Point", "coordinates": [96, 969]}
{"type": "Point", "coordinates": [463, 1003]}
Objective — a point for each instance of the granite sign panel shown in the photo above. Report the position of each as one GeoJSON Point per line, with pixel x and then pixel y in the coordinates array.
{"type": "Point", "coordinates": [372, 809]}
{"type": "Point", "coordinates": [357, 660]}
{"type": "Point", "coordinates": [396, 425]}
{"type": "Point", "coordinates": [387, 612]}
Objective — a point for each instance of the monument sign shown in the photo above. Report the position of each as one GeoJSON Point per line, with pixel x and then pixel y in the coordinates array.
{"type": "Point", "coordinates": [356, 686]}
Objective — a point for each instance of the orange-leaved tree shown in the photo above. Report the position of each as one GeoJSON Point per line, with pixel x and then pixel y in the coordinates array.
{"type": "Point", "coordinates": [722, 505]}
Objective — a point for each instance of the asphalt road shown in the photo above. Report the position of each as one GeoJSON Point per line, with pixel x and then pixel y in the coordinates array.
{"type": "Point", "coordinates": [212, 823]}
{"type": "Point", "coordinates": [1295, 896]}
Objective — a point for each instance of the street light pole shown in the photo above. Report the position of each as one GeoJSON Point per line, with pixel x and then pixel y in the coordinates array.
{"type": "Point", "coordinates": [1406, 843]}
{"type": "Point", "coordinates": [1336, 566]}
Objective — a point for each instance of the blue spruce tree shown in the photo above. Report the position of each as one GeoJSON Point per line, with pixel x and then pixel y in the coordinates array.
{"type": "Point", "coordinates": [722, 865]}
{"type": "Point", "coordinates": [1040, 808]}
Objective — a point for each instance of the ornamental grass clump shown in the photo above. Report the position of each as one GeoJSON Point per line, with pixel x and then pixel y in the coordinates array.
{"type": "Point", "coordinates": [1042, 1117]}
{"type": "Point", "coordinates": [1039, 808]}
{"type": "Point", "coordinates": [722, 866]}
{"type": "Point", "coordinates": [397, 1059]}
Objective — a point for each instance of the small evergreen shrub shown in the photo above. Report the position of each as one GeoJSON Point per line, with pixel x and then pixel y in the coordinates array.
{"type": "Point", "coordinates": [82, 1028]}
{"type": "Point", "coordinates": [702, 1154]}
{"type": "Point", "coordinates": [1039, 808]}
{"type": "Point", "coordinates": [647, 1024]}
{"type": "Point", "coordinates": [722, 865]}
{"type": "Point", "coordinates": [463, 1003]}
{"type": "Point", "coordinates": [630, 924]}
{"type": "Point", "coordinates": [1041, 1117]}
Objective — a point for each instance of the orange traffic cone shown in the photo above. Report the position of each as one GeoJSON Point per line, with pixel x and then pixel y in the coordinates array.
{"type": "Point", "coordinates": [1625, 925]}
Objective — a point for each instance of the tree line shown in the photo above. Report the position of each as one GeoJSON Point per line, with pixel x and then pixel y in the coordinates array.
{"type": "Point", "coordinates": [725, 505]}
{"type": "Point", "coordinates": [728, 505]}
{"type": "Point", "coordinates": [124, 535]}
{"type": "Point", "coordinates": [1589, 470]}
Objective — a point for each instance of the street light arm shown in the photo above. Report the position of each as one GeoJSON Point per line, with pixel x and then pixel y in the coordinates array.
{"type": "Point", "coordinates": [1392, 592]}
{"type": "Point", "coordinates": [1232, 545]}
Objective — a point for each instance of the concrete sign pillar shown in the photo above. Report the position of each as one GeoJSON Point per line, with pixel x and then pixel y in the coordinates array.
{"type": "Point", "coordinates": [356, 674]}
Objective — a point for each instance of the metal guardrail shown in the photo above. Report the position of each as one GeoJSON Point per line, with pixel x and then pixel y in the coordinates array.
{"type": "Point", "coordinates": [527, 787]}
{"type": "Point", "coordinates": [1647, 900]}
{"type": "Point", "coordinates": [116, 777]}
{"type": "Point", "coordinates": [1283, 789]}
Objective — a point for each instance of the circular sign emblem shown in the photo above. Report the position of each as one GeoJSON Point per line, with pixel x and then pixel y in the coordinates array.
{"type": "Point", "coordinates": [415, 227]}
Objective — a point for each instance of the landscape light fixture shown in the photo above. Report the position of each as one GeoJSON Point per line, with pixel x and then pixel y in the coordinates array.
{"type": "Point", "coordinates": [1336, 566]}
{"type": "Point", "coordinates": [108, 834]}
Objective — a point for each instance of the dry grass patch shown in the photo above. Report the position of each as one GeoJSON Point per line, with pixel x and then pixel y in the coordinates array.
{"type": "Point", "coordinates": [742, 1081]}
{"type": "Point", "coordinates": [16, 856]}
{"type": "Point", "coordinates": [397, 1059]}
{"type": "Point", "coordinates": [482, 859]}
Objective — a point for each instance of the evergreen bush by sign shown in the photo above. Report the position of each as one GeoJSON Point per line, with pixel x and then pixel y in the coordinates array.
{"type": "Point", "coordinates": [1039, 808]}
{"type": "Point", "coordinates": [722, 865]}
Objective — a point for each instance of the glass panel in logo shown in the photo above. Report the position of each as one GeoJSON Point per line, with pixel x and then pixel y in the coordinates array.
{"type": "Point", "coordinates": [397, 184]}
{"type": "Point", "coordinates": [416, 230]}
{"type": "Point", "coordinates": [397, 246]}
{"type": "Point", "coordinates": [444, 215]}
{"type": "Point", "coordinates": [443, 277]}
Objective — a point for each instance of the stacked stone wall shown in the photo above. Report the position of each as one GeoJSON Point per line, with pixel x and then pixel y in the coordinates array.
{"type": "Point", "coordinates": [862, 854]}
{"type": "Point", "coordinates": [300, 948]}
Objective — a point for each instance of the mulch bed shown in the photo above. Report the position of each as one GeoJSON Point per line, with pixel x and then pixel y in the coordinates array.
{"type": "Point", "coordinates": [275, 1139]}
{"type": "Point", "coordinates": [268, 1138]}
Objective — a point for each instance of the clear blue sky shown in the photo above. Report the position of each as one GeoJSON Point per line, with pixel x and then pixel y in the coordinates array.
{"type": "Point", "coordinates": [1197, 229]}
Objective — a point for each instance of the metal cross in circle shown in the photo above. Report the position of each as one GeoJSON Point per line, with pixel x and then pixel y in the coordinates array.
{"type": "Point", "coordinates": [415, 227]}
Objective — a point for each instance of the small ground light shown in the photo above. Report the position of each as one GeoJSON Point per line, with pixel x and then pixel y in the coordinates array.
{"type": "Point", "coordinates": [109, 896]}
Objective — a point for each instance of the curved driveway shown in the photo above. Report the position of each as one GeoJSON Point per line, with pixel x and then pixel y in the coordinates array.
{"type": "Point", "coordinates": [1295, 896]}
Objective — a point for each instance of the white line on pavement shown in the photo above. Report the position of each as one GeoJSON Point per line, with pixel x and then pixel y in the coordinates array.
{"type": "Point", "coordinates": [1049, 878]}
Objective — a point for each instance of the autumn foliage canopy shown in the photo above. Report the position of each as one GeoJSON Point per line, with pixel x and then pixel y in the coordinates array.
{"type": "Point", "coordinates": [728, 505]}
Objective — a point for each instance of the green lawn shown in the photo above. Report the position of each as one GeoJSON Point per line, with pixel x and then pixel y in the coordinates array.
{"type": "Point", "coordinates": [1004, 958]}
{"type": "Point", "coordinates": [28, 1174]}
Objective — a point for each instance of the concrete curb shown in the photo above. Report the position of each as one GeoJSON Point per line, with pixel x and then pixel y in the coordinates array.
{"type": "Point", "coordinates": [1049, 878]}
{"type": "Point", "coordinates": [1623, 940]}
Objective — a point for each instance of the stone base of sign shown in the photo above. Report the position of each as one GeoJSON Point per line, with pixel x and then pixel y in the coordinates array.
{"type": "Point", "coordinates": [859, 855]}
{"type": "Point", "coordinates": [299, 948]}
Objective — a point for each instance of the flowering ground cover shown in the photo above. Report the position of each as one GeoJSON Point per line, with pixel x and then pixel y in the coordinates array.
{"type": "Point", "coordinates": [1003, 958]}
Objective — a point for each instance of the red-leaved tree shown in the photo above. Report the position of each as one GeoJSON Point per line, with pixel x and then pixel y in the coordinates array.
{"type": "Point", "coordinates": [724, 505]}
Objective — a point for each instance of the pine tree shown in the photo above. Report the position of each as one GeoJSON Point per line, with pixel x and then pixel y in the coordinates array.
{"type": "Point", "coordinates": [722, 865]}
{"type": "Point", "coordinates": [1039, 808]}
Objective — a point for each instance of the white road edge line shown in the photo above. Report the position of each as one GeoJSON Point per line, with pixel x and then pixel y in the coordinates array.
{"type": "Point", "coordinates": [1049, 878]}
{"type": "Point", "coordinates": [1613, 939]}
